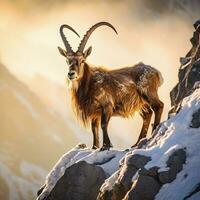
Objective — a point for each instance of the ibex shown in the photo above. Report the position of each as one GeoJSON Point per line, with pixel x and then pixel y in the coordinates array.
{"type": "Point", "coordinates": [98, 93]}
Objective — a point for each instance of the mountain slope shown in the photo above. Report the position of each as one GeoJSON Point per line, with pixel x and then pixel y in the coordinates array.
{"type": "Point", "coordinates": [29, 132]}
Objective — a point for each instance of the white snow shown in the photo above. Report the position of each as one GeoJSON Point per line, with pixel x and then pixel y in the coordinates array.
{"type": "Point", "coordinates": [195, 196]}
{"type": "Point", "coordinates": [113, 156]}
{"type": "Point", "coordinates": [134, 178]}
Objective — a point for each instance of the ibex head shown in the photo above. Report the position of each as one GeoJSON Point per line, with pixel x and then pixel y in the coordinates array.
{"type": "Point", "coordinates": [76, 60]}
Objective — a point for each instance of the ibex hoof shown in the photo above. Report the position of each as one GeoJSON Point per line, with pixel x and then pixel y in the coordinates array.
{"type": "Point", "coordinates": [140, 143]}
{"type": "Point", "coordinates": [103, 148]}
{"type": "Point", "coordinates": [133, 146]}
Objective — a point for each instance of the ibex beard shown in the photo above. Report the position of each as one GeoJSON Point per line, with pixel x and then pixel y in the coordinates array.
{"type": "Point", "coordinates": [98, 93]}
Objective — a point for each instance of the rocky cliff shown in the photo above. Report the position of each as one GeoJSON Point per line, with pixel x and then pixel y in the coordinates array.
{"type": "Point", "coordinates": [165, 167]}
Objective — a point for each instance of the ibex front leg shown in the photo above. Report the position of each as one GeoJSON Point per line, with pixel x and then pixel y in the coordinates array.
{"type": "Point", "coordinates": [95, 131]}
{"type": "Point", "coordinates": [105, 117]}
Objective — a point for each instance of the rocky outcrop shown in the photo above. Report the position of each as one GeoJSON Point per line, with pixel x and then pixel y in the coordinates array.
{"type": "Point", "coordinates": [80, 181]}
{"type": "Point", "coordinates": [164, 167]}
{"type": "Point", "coordinates": [189, 72]}
{"type": "Point", "coordinates": [124, 181]}
{"type": "Point", "coordinates": [147, 183]}
{"type": "Point", "coordinates": [150, 181]}
{"type": "Point", "coordinates": [146, 188]}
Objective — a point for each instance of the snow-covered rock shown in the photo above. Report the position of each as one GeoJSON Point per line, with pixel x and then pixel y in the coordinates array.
{"type": "Point", "coordinates": [165, 167]}
{"type": "Point", "coordinates": [107, 160]}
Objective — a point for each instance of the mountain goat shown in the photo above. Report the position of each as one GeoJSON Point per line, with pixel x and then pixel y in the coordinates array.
{"type": "Point", "coordinates": [98, 93]}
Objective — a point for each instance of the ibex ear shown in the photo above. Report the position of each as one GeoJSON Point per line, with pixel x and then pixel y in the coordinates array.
{"type": "Point", "coordinates": [62, 52]}
{"type": "Point", "coordinates": [87, 52]}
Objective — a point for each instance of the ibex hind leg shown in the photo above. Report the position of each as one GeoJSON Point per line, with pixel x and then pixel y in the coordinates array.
{"type": "Point", "coordinates": [106, 115]}
{"type": "Point", "coordinates": [158, 110]}
{"type": "Point", "coordinates": [146, 114]}
{"type": "Point", "coordinates": [157, 107]}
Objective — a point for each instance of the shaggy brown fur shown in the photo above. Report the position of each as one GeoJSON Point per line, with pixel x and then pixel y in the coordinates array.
{"type": "Point", "coordinates": [119, 92]}
{"type": "Point", "coordinates": [98, 94]}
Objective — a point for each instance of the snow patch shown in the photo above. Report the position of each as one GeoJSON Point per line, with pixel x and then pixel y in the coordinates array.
{"type": "Point", "coordinates": [135, 177]}
{"type": "Point", "coordinates": [195, 196]}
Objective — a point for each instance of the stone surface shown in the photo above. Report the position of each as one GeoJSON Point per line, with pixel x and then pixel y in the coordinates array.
{"type": "Point", "coordinates": [195, 123]}
{"type": "Point", "coordinates": [81, 181]}
{"type": "Point", "coordinates": [175, 164]}
{"type": "Point", "coordinates": [151, 172]}
{"type": "Point", "coordinates": [124, 181]}
{"type": "Point", "coordinates": [145, 188]}
{"type": "Point", "coordinates": [121, 186]}
{"type": "Point", "coordinates": [189, 72]}
{"type": "Point", "coordinates": [138, 161]}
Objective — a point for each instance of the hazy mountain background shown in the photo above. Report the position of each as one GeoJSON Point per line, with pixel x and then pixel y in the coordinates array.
{"type": "Point", "coordinates": [32, 137]}
{"type": "Point", "coordinates": [37, 124]}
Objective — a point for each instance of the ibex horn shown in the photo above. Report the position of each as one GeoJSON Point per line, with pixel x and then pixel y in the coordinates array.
{"type": "Point", "coordinates": [64, 39]}
{"type": "Point", "coordinates": [89, 32]}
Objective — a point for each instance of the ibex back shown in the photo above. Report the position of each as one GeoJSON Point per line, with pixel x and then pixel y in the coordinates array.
{"type": "Point", "coordinates": [98, 93]}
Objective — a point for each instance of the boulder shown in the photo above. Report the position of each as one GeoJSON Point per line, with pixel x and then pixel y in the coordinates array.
{"type": "Point", "coordinates": [81, 181]}
{"type": "Point", "coordinates": [146, 187]}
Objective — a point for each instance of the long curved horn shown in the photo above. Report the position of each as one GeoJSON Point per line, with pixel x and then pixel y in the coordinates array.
{"type": "Point", "coordinates": [89, 32]}
{"type": "Point", "coordinates": [64, 39]}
